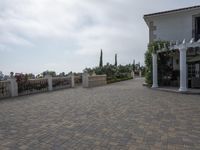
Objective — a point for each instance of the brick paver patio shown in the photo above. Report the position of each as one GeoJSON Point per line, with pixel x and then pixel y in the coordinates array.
{"type": "Point", "coordinates": [123, 115]}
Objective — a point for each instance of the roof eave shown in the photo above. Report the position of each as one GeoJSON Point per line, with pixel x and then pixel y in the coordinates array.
{"type": "Point", "coordinates": [172, 11]}
{"type": "Point", "coordinates": [146, 20]}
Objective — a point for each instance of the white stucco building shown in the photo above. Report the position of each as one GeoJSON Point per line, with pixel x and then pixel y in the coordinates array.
{"type": "Point", "coordinates": [180, 26]}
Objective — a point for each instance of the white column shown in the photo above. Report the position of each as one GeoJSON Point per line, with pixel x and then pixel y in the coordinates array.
{"type": "Point", "coordinates": [183, 70]}
{"type": "Point", "coordinates": [50, 85]}
{"type": "Point", "coordinates": [155, 70]}
{"type": "Point", "coordinates": [140, 73]}
{"type": "Point", "coordinates": [133, 74]}
{"type": "Point", "coordinates": [72, 80]}
{"type": "Point", "coordinates": [13, 87]}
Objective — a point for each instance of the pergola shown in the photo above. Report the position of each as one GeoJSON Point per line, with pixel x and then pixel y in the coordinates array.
{"type": "Point", "coordinates": [183, 47]}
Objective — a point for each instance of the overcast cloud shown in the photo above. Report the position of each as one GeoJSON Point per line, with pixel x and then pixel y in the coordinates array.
{"type": "Point", "coordinates": [67, 35]}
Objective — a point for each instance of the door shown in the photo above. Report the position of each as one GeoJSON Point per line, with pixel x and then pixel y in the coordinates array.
{"type": "Point", "coordinates": [197, 28]}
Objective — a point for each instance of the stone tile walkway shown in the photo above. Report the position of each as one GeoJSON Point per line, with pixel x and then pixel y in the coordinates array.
{"type": "Point", "coordinates": [119, 116]}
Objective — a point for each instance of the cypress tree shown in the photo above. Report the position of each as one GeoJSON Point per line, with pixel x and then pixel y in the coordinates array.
{"type": "Point", "coordinates": [101, 59]}
{"type": "Point", "coordinates": [134, 65]}
{"type": "Point", "coordinates": [115, 59]}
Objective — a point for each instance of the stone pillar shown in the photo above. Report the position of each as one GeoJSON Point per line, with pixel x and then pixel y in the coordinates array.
{"type": "Point", "coordinates": [155, 70]}
{"type": "Point", "coordinates": [72, 80]}
{"type": "Point", "coordinates": [183, 69]}
{"type": "Point", "coordinates": [133, 74]}
{"type": "Point", "coordinates": [85, 80]}
{"type": "Point", "coordinates": [13, 87]}
{"type": "Point", "coordinates": [50, 85]}
{"type": "Point", "coordinates": [140, 73]}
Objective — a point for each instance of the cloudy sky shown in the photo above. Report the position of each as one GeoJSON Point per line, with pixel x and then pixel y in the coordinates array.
{"type": "Point", "coordinates": [67, 35]}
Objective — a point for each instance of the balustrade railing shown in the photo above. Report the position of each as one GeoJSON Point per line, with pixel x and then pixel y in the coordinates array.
{"type": "Point", "coordinates": [61, 82]}
{"type": "Point", "coordinates": [13, 87]}
{"type": "Point", "coordinates": [5, 89]}
{"type": "Point", "coordinates": [32, 86]}
{"type": "Point", "coordinates": [78, 79]}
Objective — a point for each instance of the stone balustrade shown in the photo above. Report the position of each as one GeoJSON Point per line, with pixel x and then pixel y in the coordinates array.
{"type": "Point", "coordinates": [12, 88]}
{"type": "Point", "coordinates": [5, 89]}
{"type": "Point", "coordinates": [32, 86]}
{"type": "Point", "coordinates": [61, 82]}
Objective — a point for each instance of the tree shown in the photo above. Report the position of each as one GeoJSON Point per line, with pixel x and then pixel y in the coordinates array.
{"type": "Point", "coordinates": [11, 74]}
{"type": "Point", "coordinates": [31, 76]}
{"type": "Point", "coordinates": [39, 76]}
{"type": "Point", "coordinates": [62, 74]}
{"type": "Point", "coordinates": [1, 75]}
{"type": "Point", "coordinates": [52, 73]}
{"type": "Point", "coordinates": [133, 65]}
{"type": "Point", "coordinates": [101, 59]}
{"type": "Point", "coordinates": [115, 59]}
{"type": "Point", "coordinates": [137, 66]}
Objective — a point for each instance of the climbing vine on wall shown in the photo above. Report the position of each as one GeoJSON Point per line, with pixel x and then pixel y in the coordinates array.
{"type": "Point", "coordinates": [152, 47]}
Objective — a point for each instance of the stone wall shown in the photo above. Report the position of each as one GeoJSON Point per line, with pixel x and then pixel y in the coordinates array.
{"type": "Point", "coordinates": [94, 80]}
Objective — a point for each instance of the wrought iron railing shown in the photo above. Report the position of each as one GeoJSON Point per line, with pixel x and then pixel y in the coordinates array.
{"type": "Point", "coordinates": [32, 86]}
{"type": "Point", "coordinates": [61, 82]}
{"type": "Point", "coordinates": [4, 89]}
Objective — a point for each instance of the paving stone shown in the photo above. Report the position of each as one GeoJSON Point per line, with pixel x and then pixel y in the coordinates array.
{"type": "Point", "coordinates": [119, 116]}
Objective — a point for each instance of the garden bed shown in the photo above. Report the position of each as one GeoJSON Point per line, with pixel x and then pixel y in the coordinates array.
{"type": "Point", "coordinates": [113, 80]}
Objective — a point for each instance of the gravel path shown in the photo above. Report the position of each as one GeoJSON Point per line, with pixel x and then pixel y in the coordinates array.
{"type": "Point", "coordinates": [123, 115]}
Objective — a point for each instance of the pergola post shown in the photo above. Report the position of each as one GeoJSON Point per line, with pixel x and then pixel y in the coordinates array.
{"type": "Point", "coordinates": [183, 69]}
{"type": "Point", "coordinates": [155, 70]}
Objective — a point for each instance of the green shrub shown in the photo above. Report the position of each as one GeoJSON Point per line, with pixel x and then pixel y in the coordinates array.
{"type": "Point", "coordinates": [114, 73]}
